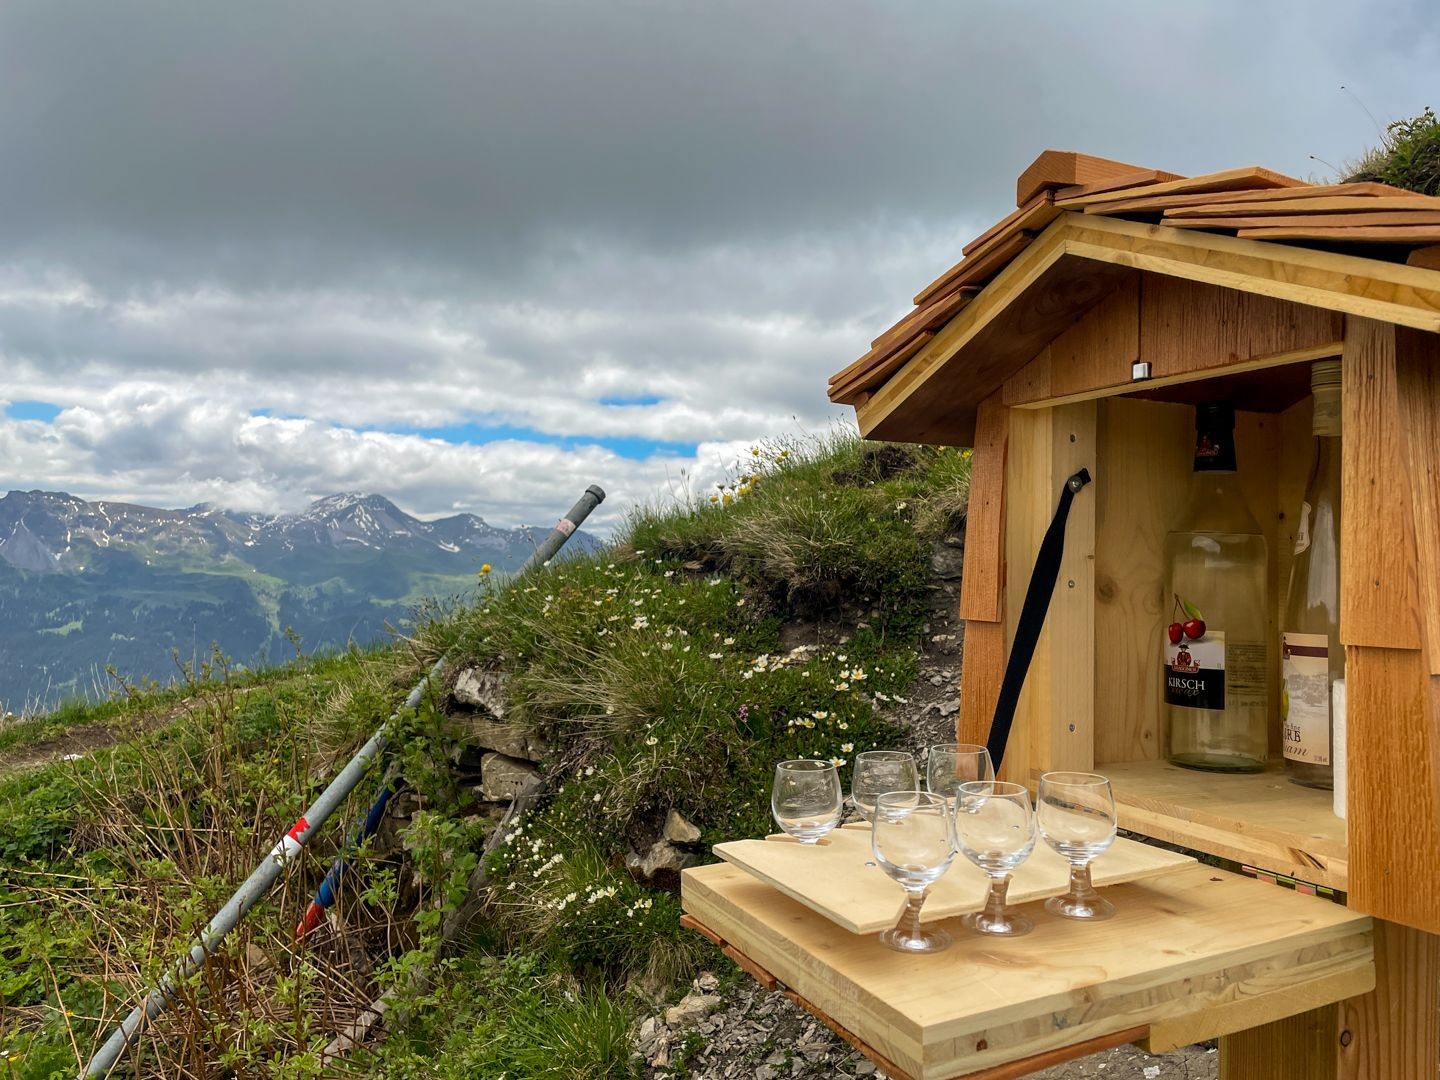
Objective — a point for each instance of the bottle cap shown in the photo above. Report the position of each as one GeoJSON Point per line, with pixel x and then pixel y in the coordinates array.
{"type": "Point", "coordinates": [1215, 416]}
{"type": "Point", "coordinates": [1324, 374]}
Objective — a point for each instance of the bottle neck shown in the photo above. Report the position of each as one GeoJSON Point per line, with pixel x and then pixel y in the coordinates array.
{"type": "Point", "coordinates": [1215, 450]}
{"type": "Point", "coordinates": [1326, 421]}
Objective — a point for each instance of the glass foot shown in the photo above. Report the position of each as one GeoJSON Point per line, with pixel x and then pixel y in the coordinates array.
{"type": "Point", "coordinates": [1070, 906]}
{"type": "Point", "coordinates": [1005, 924]}
{"type": "Point", "coordinates": [923, 941]}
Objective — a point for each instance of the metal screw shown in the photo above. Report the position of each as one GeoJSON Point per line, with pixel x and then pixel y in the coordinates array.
{"type": "Point", "coordinates": [1070, 584]}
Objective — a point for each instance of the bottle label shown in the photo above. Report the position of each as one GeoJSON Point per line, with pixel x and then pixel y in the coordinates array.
{"type": "Point", "coordinates": [1302, 531]}
{"type": "Point", "coordinates": [1305, 705]}
{"type": "Point", "coordinates": [1195, 672]}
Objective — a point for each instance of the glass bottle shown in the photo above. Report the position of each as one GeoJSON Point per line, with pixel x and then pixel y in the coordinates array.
{"type": "Point", "coordinates": [1311, 657]}
{"type": "Point", "coordinates": [1217, 682]}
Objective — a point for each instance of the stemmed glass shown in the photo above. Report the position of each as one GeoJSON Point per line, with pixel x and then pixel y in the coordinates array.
{"type": "Point", "coordinates": [910, 836]}
{"type": "Point", "coordinates": [995, 828]}
{"type": "Point", "coordinates": [806, 799]}
{"type": "Point", "coordinates": [951, 764]}
{"type": "Point", "coordinates": [1077, 819]}
{"type": "Point", "coordinates": [879, 771]}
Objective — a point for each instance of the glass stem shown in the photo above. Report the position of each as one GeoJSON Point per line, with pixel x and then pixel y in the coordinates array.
{"type": "Point", "coordinates": [995, 902]}
{"type": "Point", "coordinates": [909, 924]}
{"type": "Point", "coordinates": [1080, 886]}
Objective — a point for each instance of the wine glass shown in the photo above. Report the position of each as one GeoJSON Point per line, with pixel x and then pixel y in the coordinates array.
{"type": "Point", "coordinates": [1076, 811]}
{"type": "Point", "coordinates": [879, 771]}
{"type": "Point", "coordinates": [949, 765]}
{"type": "Point", "coordinates": [910, 836]}
{"type": "Point", "coordinates": [806, 799]}
{"type": "Point", "coordinates": [995, 828]}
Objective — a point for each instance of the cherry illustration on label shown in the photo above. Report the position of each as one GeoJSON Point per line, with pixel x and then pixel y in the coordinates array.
{"type": "Point", "coordinates": [1188, 624]}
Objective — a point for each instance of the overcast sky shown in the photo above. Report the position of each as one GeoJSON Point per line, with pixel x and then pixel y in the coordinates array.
{"type": "Point", "coordinates": [476, 256]}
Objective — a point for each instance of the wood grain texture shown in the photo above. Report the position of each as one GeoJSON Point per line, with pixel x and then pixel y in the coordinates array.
{"type": "Point", "coordinates": [1258, 819]}
{"type": "Point", "coordinates": [1379, 593]}
{"type": "Point", "coordinates": [1394, 801]}
{"type": "Point", "coordinates": [1066, 168]}
{"type": "Point", "coordinates": [1325, 204]}
{"type": "Point", "coordinates": [1241, 179]}
{"type": "Point", "coordinates": [1054, 719]}
{"type": "Point", "coordinates": [1180, 943]}
{"type": "Point", "coordinates": [1427, 258]}
{"type": "Point", "coordinates": [982, 581]}
{"type": "Point", "coordinates": [1303, 1047]}
{"type": "Point", "coordinates": [1188, 326]}
{"type": "Point", "coordinates": [1142, 479]}
{"type": "Point", "coordinates": [1095, 352]}
{"type": "Point", "coordinates": [1352, 220]}
{"type": "Point", "coordinates": [1145, 204]}
{"type": "Point", "coordinates": [1353, 234]}
{"type": "Point", "coordinates": [1392, 1032]}
{"type": "Point", "coordinates": [1417, 388]}
{"type": "Point", "coordinates": [839, 880]}
{"type": "Point", "coordinates": [1141, 179]}
{"type": "Point", "coordinates": [982, 669]}
{"type": "Point", "coordinates": [1373, 288]}
{"type": "Point", "coordinates": [933, 397]}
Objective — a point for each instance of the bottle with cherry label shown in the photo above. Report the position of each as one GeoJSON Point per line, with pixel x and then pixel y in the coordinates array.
{"type": "Point", "coordinates": [1216, 687]}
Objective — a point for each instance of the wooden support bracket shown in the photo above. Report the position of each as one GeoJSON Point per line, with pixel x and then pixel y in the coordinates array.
{"type": "Point", "coordinates": [1011, 1071]}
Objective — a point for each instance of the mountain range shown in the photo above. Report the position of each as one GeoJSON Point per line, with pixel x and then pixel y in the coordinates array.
{"type": "Point", "coordinates": [89, 585]}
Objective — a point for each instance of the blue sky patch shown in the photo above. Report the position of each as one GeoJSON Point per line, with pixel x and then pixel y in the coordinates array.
{"type": "Point", "coordinates": [32, 410]}
{"type": "Point", "coordinates": [624, 400]}
{"type": "Point", "coordinates": [627, 446]}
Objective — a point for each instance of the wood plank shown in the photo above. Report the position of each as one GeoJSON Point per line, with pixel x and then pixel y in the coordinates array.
{"type": "Point", "coordinates": [1022, 218]}
{"type": "Point", "coordinates": [1027, 305]}
{"type": "Point", "coordinates": [1142, 479]}
{"type": "Point", "coordinates": [1040, 293]}
{"type": "Point", "coordinates": [1394, 802]}
{"type": "Point", "coordinates": [838, 878]}
{"type": "Point", "coordinates": [1259, 819]}
{"type": "Point", "coordinates": [1188, 326]}
{"type": "Point", "coordinates": [876, 371]}
{"type": "Point", "coordinates": [1372, 288]}
{"type": "Point", "coordinates": [1325, 204]}
{"type": "Point", "coordinates": [1141, 178]}
{"type": "Point", "coordinates": [1379, 593]}
{"type": "Point", "coordinates": [1029, 505]}
{"type": "Point", "coordinates": [1391, 1033]}
{"type": "Point", "coordinates": [1427, 258]}
{"type": "Point", "coordinates": [1064, 703]}
{"type": "Point", "coordinates": [1179, 944]}
{"type": "Point", "coordinates": [1065, 168]}
{"type": "Point", "coordinates": [1385, 218]}
{"type": "Point", "coordinates": [1388, 234]}
{"type": "Point", "coordinates": [1097, 351]}
{"type": "Point", "coordinates": [1145, 203]}
{"type": "Point", "coordinates": [982, 581]}
{"type": "Point", "coordinates": [982, 669]}
{"type": "Point", "coordinates": [1303, 1047]}
{"type": "Point", "coordinates": [1241, 179]}
{"type": "Point", "coordinates": [1417, 388]}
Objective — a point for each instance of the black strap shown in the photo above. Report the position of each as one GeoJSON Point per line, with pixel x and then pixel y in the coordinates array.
{"type": "Point", "coordinates": [1032, 619]}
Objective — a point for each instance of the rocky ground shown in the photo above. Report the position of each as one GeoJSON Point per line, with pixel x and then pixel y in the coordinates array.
{"type": "Point", "coordinates": [734, 1029]}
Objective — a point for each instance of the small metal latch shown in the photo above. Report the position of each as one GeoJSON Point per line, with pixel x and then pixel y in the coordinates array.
{"type": "Point", "coordinates": [1139, 370]}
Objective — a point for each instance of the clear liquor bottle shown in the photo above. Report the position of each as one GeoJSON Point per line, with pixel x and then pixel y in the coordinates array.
{"type": "Point", "coordinates": [1216, 677]}
{"type": "Point", "coordinates": [1311, 656]}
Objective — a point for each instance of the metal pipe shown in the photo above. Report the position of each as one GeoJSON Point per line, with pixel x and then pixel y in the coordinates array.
{"type": "Point", "coordinates": [564, 528]}
{"type": "Point", "coordinates": [293, 842]}
{"type": "Point", "coordinates": [255, 886]}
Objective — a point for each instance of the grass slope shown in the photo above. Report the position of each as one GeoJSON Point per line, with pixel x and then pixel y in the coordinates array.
{"type": "Point", "coordinates": [778, 620]}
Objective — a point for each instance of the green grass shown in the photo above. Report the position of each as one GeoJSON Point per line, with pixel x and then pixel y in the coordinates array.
{"type": "Point", "coordinates": [1408, 156]}
{"type": "Point", "coordinates": [671, 671]}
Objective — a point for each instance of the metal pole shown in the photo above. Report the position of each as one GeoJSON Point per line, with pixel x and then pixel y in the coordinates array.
{"type": "Point", "coordinates": [294, 841]}
{"type": "Point", "coordinates": [255, 886]}
{"type": "Point", "coordinates": [593, 497]}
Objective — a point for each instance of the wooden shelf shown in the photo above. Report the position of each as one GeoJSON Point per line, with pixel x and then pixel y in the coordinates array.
{"type": "Point", "coordinates": [1260, 819]}
{"type": "Point", "coordinates": [1189, 955]}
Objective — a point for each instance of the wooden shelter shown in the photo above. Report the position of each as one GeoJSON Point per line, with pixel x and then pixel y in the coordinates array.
{"type": "Point", "coordinates": [1078, 331]}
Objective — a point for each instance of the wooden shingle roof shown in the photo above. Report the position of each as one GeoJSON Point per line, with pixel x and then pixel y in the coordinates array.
{"type": "Point", "coordinates": [1381, 223]}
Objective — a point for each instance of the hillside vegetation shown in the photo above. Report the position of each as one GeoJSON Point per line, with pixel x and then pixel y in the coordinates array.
{"type": "Point", "coordinates": [776, 617]}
